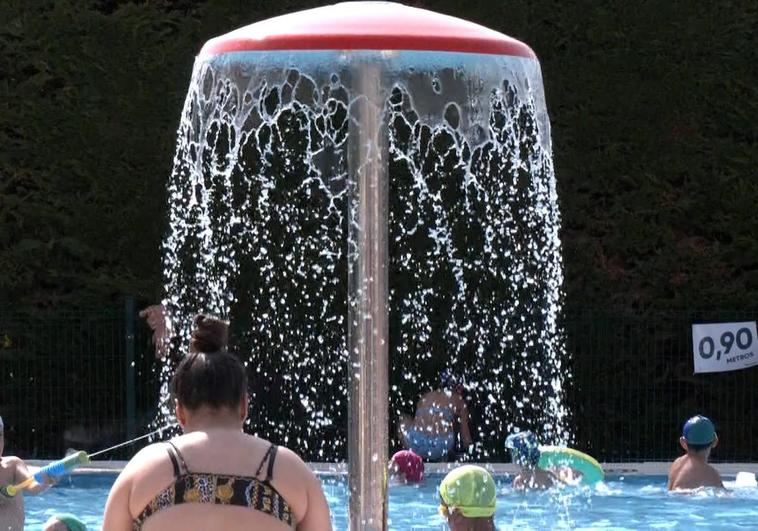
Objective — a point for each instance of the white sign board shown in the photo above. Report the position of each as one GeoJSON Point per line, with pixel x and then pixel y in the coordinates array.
{"type": "Point", "coordinates": [724, 347]}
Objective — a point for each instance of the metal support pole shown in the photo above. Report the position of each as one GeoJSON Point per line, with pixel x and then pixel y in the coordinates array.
{"type": "Point", "coordinates": [367, 303]}
{"type": "Point", "coordinates": [129, 327]}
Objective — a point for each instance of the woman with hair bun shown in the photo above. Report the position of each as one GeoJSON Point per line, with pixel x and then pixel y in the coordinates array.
{"type": "Point", "coordinates": [215, 476]}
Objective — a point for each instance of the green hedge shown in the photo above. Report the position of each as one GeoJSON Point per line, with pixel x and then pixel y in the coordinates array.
{"type": "Point", "coordinates": [653, 105]}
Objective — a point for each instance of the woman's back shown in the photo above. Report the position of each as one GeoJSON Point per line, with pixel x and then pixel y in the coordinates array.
{"type": "Point", "coordinates": [214, 476]}
{"type": "Point", "coordinates": [208, 463]}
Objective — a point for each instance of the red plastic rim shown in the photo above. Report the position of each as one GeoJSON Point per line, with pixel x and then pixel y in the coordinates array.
{"type": "Point", "coordinates": [367, 26]}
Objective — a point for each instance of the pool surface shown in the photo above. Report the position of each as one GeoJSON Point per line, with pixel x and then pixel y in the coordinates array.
{"type": "Point", "coordinates": [634, 502]}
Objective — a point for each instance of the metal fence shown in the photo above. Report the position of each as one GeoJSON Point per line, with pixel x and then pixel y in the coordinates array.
{"type": "Point", "coordinates": [81, 380]}
{"type": "Point", "coordinates": [90, 379]}
{"type": "Point", "coordinates": [634, 386]}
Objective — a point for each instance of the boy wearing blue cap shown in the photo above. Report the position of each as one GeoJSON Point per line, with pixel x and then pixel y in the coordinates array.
{"type": "Point", "coordinates": [692, 470]}
{"type": "Point", "coordinates": [525, 451]}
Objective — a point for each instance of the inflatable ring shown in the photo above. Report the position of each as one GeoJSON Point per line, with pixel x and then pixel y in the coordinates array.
{"type": "Point", "coordinates": [556, 457]}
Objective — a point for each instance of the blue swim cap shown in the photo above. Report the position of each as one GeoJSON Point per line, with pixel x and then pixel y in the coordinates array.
{"type": "Point", "coordinates": [524, 447]}
{"type": "Point", "coordinates": [699, 430]}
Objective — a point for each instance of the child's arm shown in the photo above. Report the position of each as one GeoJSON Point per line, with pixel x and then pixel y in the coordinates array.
{"type": "Point", "coordinates": [715, 479]}
{"type": "Point", "coordinates": [463, 415]}
{"type": "Point", "coordinates": [21, 473]}
{"type": "Point", "coordinates": [673, 472]}
{"type": "Point", "coordinates": [565, 475]}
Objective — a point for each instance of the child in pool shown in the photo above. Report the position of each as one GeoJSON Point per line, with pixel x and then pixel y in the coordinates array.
{"type": "Point", "coordinates": [13, 471]}
{"type": "Point", "coordinates": [692, 471]}
{"type": "Point", "coordinates": [64, 522]}
{"type": "Point", "coordinates": [467, 499]}
{"type": "Point", "coordinates": [407, 467]}
{"type": "Point", "coordinates": [432, 432]}
{"type": "Point", "coordinates": [525, 450]}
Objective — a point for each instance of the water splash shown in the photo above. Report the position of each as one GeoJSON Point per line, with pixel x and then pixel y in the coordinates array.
{"type": "Point", "coordinates": [258, 234]}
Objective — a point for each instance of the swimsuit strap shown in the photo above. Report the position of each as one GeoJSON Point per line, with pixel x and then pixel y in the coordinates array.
{"type": "Point", "coordinates": [251, 492]}
{"type": "Point", "coordinates": [177, 460]}
{"type": "Point", "coordinates": [269, 456]}
{"type": "Point", "coordinates": [271, 459]}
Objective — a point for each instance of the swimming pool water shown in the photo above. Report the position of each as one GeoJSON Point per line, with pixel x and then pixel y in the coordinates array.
{"type": "Point", "coordinates": [634, 502]}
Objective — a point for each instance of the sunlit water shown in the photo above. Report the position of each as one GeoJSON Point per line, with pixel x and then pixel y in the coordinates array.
{"type": "Point", "coordinates": [632, 503]}
{"type": "Point", "coordinates": [258, 233]}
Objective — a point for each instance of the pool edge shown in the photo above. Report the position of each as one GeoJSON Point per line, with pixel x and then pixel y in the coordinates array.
{"type": "Point", "coordinates": [642, 468]}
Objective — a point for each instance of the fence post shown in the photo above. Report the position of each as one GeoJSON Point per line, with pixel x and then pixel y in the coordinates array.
{"type": "Point", "coordinates": [129, 328]}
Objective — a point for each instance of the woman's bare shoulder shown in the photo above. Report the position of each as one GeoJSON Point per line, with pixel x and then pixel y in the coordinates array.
{"type": "Point", "coordinates": [289, 458]}
{"type": "Point", "coordinates": [147, 458]}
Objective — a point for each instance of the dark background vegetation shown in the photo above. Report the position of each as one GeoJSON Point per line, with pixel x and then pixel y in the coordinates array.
{"type": "Point", "coordinates": [653, 106]}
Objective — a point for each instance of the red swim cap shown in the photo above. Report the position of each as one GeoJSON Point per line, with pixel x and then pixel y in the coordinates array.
{"type": "Point", "coordinates": [410, 465]}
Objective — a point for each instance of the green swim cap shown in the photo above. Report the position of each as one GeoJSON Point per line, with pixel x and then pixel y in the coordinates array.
{"type": "Point", "coordinates": [72, 522]}
{"type": "Point", "coordinates": [471, 490]}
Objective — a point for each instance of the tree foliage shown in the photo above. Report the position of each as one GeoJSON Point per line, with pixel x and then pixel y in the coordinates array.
{"type": "Point", "coordinates": [653, 105]}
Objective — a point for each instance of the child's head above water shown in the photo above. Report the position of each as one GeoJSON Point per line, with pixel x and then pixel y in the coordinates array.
{"type": "Point", "coordinates": [468, 490]}
{"type": "Point", "coordinates": [524, 449]}
{"type": "Point", "coordinates": [407, 465]}
{"type": "Point", "coordinates": [698, 434]}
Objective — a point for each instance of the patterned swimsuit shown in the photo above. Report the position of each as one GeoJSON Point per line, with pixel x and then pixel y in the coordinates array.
{"type": "Point", "coordinates": [191, 487]}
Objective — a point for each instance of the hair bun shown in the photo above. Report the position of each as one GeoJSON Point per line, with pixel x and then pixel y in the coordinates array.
{"type": "Point", "coordinates": [211, 334]}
